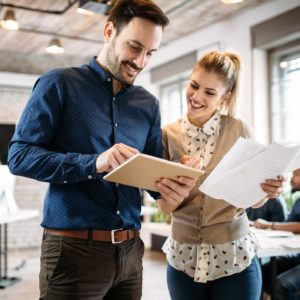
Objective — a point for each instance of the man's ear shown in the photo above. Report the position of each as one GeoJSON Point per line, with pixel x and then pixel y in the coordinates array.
{"type": "Point", "coordinates": [108, 31]}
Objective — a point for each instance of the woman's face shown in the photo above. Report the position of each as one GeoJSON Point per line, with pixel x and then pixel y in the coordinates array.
{"type": "Point", "coordinates": [205, 92]}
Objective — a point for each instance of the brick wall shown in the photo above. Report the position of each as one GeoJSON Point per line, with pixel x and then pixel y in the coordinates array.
{"type": "Point", "coordinates": [28, 193]}
{"type": "Point", "coordinates": [14, 94]}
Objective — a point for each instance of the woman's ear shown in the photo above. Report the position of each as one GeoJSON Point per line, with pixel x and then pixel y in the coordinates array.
{"type": "Point", "coordinates": [108, 31]}
{"type": "Point", "coordinates": [227, 96]}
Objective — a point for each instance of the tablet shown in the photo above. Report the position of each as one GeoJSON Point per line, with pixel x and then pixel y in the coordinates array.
{"type": "Point", "coordinates": [142, 171]}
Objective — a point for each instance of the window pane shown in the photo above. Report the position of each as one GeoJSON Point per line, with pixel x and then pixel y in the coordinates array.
{"type": "Point", "coordinates": [285, 100]}
{"type": "Point", "coordinates": [172, 101]}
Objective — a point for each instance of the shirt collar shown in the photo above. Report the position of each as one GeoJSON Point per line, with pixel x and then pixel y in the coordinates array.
{"type": "Point", "coordinates": [105, 76]}
{"type": "Point", "coordinates": [208, 128]}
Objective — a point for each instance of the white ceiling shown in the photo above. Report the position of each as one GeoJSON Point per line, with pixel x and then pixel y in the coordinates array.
{"type": "Point", "coordinates": [81, 35]}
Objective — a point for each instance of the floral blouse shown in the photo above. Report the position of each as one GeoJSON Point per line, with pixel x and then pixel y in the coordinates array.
{"type": "Point", "coordinates": [204, 262]}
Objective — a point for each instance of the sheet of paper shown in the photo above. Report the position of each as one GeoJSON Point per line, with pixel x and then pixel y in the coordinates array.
{"type": "Point", "coordinates": [295, 164]}
{"type": "Point", "coordinates": [271, 233]}
{"type": "Point", "coordinates": [238, 176]}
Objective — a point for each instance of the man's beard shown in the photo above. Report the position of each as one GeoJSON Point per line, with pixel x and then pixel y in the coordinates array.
{"type": "Point", "coordinates": [295, 190]}
{"type": "Point", "coordinates": [116, 68]}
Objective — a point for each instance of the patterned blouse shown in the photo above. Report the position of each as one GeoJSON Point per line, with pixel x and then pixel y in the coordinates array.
{"type": "Point", "coordinates": [204, 262]}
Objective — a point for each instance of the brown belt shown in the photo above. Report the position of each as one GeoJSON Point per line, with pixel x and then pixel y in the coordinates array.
{"type": "Point", "coordinates": [114, 236]}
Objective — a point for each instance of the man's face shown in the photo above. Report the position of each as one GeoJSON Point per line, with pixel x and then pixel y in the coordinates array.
{"type": "Point", "coordinates": [295, 181]}
{"type": "Point", "coordinates": [129, 52]}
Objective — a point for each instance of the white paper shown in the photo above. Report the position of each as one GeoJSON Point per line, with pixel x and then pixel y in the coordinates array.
{"type": "Point", "coordinates": [271, 233]}
{"type": "Point", "coordinates": [238, 176]}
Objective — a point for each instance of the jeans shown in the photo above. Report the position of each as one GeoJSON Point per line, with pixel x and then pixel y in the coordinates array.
{"type": "Point", "coordinates": [245, 285]}
{"type": "Point", "coordinates": [289, 284]}
{"type": "Point", "coordinates": [75, 269]}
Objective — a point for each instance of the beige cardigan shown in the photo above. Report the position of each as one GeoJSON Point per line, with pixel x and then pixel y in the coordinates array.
{"type": "Point", "coordinates": [201, 218]}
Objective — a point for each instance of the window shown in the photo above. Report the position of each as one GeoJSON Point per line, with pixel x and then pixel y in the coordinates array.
{"type": "Point", "coordinates": [172, 101]}
{"type": "Point", "coordinates": [285, 91]}
{"type": "Point", "coordinates": [276, 53]}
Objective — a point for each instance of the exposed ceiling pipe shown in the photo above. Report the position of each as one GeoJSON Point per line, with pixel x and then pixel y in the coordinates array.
{"type": "Point", "coordinates": [61, 35]}
{"type": "Point", "coordinates": [180, 5]}
{"type": "Point", "coordinates": [36, 31]}
{"type": "Point", "coordinates": [45, 11]}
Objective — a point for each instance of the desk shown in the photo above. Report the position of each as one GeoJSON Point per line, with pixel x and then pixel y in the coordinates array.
{"type": "Point", "coordinates": [273, 247]}
{"type": "Point", "coordinates": [5, 219]}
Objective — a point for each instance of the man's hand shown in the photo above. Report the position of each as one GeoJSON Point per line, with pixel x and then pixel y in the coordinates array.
{"type": "Point", "coordinates": [113, 157]}
{"type": "Point", "coordinates": [174, 192]}
{"type": "Point", "coordinates": [262, 224]}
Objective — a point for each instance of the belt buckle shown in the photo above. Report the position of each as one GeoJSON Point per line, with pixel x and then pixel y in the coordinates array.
{"type": "Point", "coordinates": [113, 241]}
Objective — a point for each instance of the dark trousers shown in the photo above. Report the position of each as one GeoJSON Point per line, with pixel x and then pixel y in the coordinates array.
{"type": "Point", "coordinates": [289, 284]}
{"type": "Point", "coordinates": [75, 269]}
{"type": "Point", "coordinates": [245, 285]}
{"type": "Point", "coordinates": [288, 279]}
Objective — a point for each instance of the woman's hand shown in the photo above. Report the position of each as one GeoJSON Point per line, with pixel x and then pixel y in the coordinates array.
{"type": "Point", "coordinates": [273, 188]}
{"type": "Point", "coordinates": [192, 161]}
{"type": "Point", "coordinates": [174, 192]}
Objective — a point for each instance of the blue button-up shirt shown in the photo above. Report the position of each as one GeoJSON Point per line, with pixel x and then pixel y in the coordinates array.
{"type": "Point", "coordinates": [71, 117]}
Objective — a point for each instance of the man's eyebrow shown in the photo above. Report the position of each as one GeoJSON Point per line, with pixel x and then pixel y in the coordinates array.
{"type": "Point", "coordinates": [141, 45]}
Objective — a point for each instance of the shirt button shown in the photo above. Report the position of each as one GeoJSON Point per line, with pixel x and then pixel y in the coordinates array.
{"type": "Point", "coordinates": [117, 184]}
{"type": "Point", "coordinates": [90, 177]}
{"type": "Point", "coordinates": [116, 124]}
{"type": "Point", "coordinates": [108, 79]}
{"type": "Point", "coordinates": [65, 181]}
{"type": "Point", "coordinates": [118, 212]}
{"type": "Point", "coordinates": [114, 98]}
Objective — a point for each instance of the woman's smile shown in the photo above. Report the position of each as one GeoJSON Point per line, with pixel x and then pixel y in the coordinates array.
{"type": "Point", "coordinates": [196, 105]}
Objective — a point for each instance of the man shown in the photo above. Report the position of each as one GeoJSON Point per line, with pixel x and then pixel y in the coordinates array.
{"type": "Point", "coordinates": [288, 267]}
{"type": "Point", "coordinates": [273, 210]}
{"type": "Point", "coordinates": [79, 124]}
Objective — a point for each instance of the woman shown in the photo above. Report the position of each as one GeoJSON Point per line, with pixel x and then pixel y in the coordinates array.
{"type": "Point", "coordinates": [211, 253]}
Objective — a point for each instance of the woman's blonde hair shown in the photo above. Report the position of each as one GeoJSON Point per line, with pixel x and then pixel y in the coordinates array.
{"type": "Point", "coordinates": [227, 66]}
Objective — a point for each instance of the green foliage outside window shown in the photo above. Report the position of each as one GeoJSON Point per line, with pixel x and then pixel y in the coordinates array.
{"type": "Point", "coordinates": [160, 217]}
{"type": "Point", "coordinates": [290, 198]}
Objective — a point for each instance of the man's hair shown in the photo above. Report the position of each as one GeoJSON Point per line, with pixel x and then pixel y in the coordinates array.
{"type": "Point", "coordinates": [123, 11]}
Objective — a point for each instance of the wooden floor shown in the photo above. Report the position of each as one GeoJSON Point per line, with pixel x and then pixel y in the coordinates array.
{"type": "Point", "coordinates": [25, 264]}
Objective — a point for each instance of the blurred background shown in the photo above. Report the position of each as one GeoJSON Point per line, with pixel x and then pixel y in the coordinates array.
{"type": "Point", "coordinates": [36, 36]}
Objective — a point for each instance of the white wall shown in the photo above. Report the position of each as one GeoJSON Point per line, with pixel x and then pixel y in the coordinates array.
{"type": "Point", "coordinates": [17, 79]}
{"type": "Point", "coordinates": [232, 34]}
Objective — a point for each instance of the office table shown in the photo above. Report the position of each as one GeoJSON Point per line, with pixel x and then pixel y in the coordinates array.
{"type": "Point", "coordinates": [5, 219]}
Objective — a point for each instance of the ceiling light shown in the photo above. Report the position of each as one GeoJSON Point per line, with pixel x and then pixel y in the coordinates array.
{"type": "Point", "coordinates": [9, 21]}
{"type": "Point", "coordinates": [55, 47]}
{"type": "Point", "coordinates": [283, 64]}
{"type": "Point", "coordinates": [89, 7]}
{"type": "Point", "coordinates": [231, 1]}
